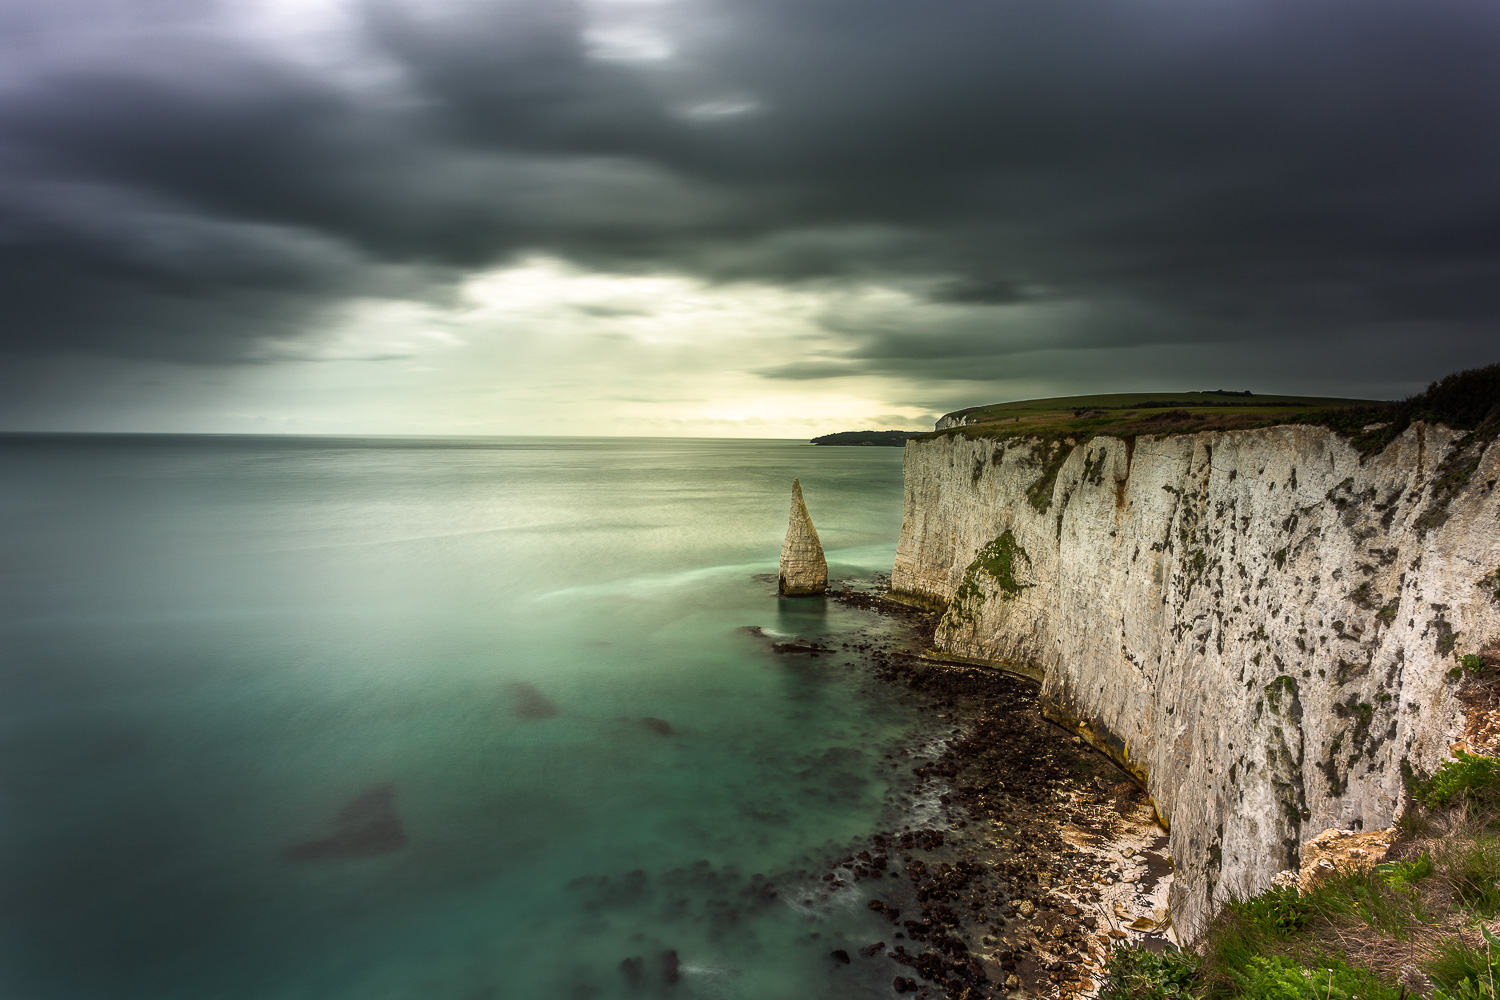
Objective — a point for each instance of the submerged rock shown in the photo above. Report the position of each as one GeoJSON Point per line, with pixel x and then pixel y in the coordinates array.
{"type": "Point", "coordinates": [804, 570]}
{"type": "Point", "coordinates": [671, 967]}
{"type": "Point", "coordinates": [529, 703]}
{"type": "Point", "coordinates": [660, 727]}
{"type": "Point", "coordinates": [366, 827]}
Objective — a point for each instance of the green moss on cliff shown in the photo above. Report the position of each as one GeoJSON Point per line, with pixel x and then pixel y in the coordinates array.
{"type": "Point", "coordinates": [997, 560]}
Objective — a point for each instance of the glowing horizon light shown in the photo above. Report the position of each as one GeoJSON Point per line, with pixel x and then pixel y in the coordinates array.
{"type": "Point", "coordinates": [721, 109]}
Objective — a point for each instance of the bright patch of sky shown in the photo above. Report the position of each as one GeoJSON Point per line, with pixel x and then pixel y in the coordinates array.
{"type": "Point", "coordinates": [541, 347]}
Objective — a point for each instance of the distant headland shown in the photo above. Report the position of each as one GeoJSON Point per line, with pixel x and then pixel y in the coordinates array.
{"type": "Point", "coordinates": [894, 439]}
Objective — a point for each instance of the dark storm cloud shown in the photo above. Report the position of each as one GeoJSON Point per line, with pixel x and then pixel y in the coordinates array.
{"type": "Point", "coordinates": [1068, 175]}
{"type": "Point", "coordinates": [980, 289]}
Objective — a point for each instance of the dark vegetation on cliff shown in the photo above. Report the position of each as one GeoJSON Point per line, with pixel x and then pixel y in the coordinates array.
{"type": "Point", "coordinates": [1467, 400]}
{"type": "Point", "coordinates": [890, 438]}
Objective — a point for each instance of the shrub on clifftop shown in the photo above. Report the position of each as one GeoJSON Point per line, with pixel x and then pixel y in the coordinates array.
{"type": "Point", "coordinates": [1464, 400]}
{"type": "Point", "coordinates": [1468, 400]}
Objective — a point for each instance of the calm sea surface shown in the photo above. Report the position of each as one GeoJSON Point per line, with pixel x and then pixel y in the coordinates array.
{"type": "Point", "coordinates": [319, 718]}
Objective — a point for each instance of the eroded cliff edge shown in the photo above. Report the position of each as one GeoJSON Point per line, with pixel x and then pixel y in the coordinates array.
{"type": "Point", "coordinates": [1259, 623]}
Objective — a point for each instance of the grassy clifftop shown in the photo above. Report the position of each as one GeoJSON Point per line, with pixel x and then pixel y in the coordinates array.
{"type": "Point", "coordinates": [1467, 400]}
{"type": "Point", "coordinates": [1133, 413]}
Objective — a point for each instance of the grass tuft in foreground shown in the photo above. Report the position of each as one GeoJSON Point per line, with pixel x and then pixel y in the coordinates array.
{"type": "Point", "coordinates": [1417, 926]}
{"type": "Point", "coordinates": [1470, 781]}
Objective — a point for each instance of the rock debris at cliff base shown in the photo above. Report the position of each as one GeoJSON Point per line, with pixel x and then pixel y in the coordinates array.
{"type": "Point", "coordinates": [1041, 854]}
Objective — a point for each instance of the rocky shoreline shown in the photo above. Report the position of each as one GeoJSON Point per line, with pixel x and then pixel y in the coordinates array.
{"type": "Point", "coordinates": [1038, 852]}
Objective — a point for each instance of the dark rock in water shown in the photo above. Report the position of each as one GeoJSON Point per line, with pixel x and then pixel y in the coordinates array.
{"type": "Point", "coordinates": [869, 951]}
{"type": "Point", "coordinates": [792, 646]}
{"type": "Point", "coordinates": [799, 647]}
{"type": "Point", "coordinates": [670, 972]}
{"type": "Point", "coordinates": [364, 828]}
{"type": "Point", "coordinates": [839, 955]}
{"type": "Point", "coordinates": [529, 703]}
{"type": "Point", "coordinates": [635, 971]}
{"type": "Point", "coordinates": [659, 726]}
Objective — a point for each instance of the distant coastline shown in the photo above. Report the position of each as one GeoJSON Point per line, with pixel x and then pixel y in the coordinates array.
{"type": "Point", "coordinates": [895, 439]}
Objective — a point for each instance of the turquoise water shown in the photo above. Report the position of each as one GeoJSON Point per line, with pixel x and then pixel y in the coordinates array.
{"type": "Point", "coordinates": [517, 667]}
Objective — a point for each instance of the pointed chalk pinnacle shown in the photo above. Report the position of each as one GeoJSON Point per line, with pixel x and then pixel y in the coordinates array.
{"type": "Point", "coordinates": [803, 568]}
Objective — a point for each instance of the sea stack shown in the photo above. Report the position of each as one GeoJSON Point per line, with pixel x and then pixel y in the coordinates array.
{"type": "Point", "coordinates": [804, 571]}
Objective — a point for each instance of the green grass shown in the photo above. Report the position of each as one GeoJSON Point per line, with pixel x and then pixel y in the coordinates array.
{"type": "Point", "coordinates": [1374, 935]}
{"type": "Point", "coordinates": [1131, 414]}
{"type": "Point", "coordinates": [1285, 944]}
{"type": "Point", "coordinates": [1467, 400]}
{"type": "Point", "coordinates": [1472, 665]}
{"type": "Point", "coordinates": [1403, 876]}
{"type": "Point", "coordinates": [1377, 900]}
{"type": "Point", "coordinates": [1274, 977]}
{"type": "Point", "coordinates": [1472, 868]}
{"type": "Point", "coordinates": [1139, 974]}
{"type": "Point", "coordinates": [1456, 962]}
{"type": "Point", "coordinates": [1470, 780]}
{"type": "Point", "coordinates": [1115, 401]}
{"type": "Point", "coordinates": [1277, 913]}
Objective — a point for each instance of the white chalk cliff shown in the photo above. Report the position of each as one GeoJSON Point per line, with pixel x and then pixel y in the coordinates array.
{"type": "Point", "coordinates": [1259, 623]}
{"type": "Point", "coordinates": [804, 570]}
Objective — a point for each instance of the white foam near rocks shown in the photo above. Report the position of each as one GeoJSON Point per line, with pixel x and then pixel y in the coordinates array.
{"type": "Point", "coordinates": [1133, 886]}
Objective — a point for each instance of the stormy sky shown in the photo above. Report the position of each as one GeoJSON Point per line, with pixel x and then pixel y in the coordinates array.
{"type": "Point", "coordinates": [744, 217]}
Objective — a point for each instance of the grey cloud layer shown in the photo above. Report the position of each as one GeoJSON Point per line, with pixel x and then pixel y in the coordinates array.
{"type": "Point", "coordinates": [1066, 175]}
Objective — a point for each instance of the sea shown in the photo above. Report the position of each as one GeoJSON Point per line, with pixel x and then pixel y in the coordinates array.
{"type": "Point", "coordinates": [323, 718]}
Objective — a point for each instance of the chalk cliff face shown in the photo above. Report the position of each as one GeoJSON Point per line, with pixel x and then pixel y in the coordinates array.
{"type": "Point", "coordinates": [1258, 623]}
{"type": "Point", "coordinates": [804, 570]}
